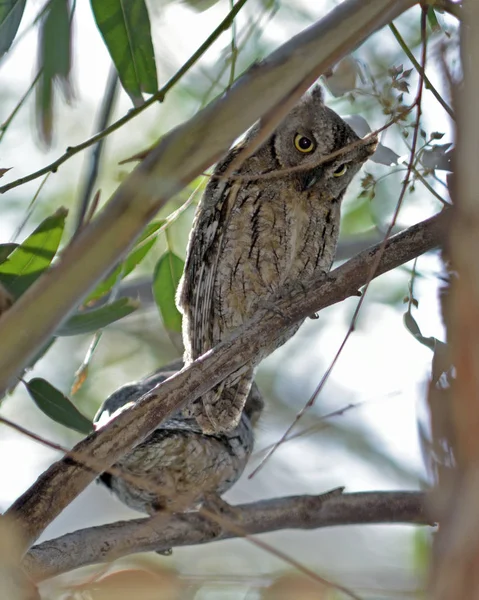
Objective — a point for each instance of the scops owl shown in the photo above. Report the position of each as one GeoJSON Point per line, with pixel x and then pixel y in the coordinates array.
{"type": "Point", "coordinates": [252, 236]}
{"type": "Point", "coordinates": [177, 466]}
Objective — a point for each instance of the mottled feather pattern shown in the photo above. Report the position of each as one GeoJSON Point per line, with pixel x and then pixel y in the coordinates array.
{"type": "Point", "coordinates": [252, 236]}
{"type": "Point", "coordinates": [177, 467]}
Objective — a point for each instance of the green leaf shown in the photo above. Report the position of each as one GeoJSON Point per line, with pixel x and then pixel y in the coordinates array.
{"type": "Point", "coordinates": [432, 20]}
{"type": "Point", "coordinates": [6, 250]}
{"type": "Point", "coordinates": [29, 260]}
{"type": "Point", "coordinates": [57, 406]}
{"type": "Point", "coordinates": [54, 55]}
{"type": "Point", "coordinates": [150, 229]}
{"type": "Point", "coordinates": [11, 13]}
{"type": "Point", "coordinates": [125, 28]}
{"type": "Point", "coordinates": [98, 318]}
{"type": "Point", "coordinates": [166, 277]}
{"type": "Point", "coordinates": [132, 260]}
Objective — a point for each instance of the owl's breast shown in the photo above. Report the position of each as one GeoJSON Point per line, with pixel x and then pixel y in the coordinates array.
{"type": "Point", "coordinates": [272, 240]}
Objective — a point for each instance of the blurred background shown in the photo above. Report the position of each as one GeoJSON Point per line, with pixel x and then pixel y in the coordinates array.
{"type": "Point", "coordinates": [381, 376]}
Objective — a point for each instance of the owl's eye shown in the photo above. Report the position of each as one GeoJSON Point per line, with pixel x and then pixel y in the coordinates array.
{"type": "Point", "coordinates": [303, 143]}
{"type": "Point", "coordinates": [340, 171]}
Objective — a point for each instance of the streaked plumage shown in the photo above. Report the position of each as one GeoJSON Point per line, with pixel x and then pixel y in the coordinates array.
{"type": "Point", "coordinates": [252, 236]}
{"type": "Point", "coordinates": [178, 466]}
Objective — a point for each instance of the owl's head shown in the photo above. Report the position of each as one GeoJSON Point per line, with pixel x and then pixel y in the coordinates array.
{"type": "Point", "coordinates": [309, 134]}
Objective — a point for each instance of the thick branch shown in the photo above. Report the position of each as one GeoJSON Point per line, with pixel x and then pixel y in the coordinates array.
{"type": "Point", "coordinates": [270, 88]}
{"type": "Point", "coordinates": [65, 479]}
{"type": "Point", "coordinates": [109, 542]}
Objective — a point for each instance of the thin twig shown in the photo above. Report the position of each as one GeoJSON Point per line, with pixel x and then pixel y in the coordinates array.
{"type": "Point", "coordinates": [312, 163]}
{"type": "Point", "coordinates": [158, 97]}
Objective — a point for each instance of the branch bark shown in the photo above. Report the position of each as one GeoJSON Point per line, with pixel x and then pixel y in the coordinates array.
{"type": "Point", "coordinates": [269, 88]}
{"type": "Point", "coordinates": [454, 572]}
{"type": "Point", "coordinates": [109, 542]}
{"type": "Point", "coordinates": [65, 479]}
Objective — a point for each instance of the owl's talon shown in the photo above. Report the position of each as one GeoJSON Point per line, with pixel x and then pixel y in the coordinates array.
{"type": "Point", "coordinates": [213, 503]}
{"type": "Point", "coordinates": [167, 552]}
{"type": "Point", "coordinates": [314, 316]}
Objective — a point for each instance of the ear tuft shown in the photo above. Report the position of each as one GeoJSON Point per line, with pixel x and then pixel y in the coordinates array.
{"type": "Point", "coordinates": [317, 94]}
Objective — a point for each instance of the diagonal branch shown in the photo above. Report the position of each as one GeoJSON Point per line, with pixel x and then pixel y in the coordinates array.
{"type": "Point", "coordinates": [65, 479]}
{"type": "Point", "coordinates": [107, 543]}
{"type": "Point", "coordinates": [175, 161]}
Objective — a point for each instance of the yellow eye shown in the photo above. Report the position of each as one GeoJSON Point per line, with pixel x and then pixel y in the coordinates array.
{"type": "Point", "coordinates": [340, 171]}
{"type": "Point", "coordinates": [303, 143]}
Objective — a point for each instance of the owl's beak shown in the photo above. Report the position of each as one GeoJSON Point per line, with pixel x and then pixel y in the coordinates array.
{"type": "Point", "coordinates": [311, 178]}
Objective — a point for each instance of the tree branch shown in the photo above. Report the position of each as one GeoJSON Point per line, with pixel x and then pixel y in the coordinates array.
{"type": "Point", "coordinates": [65, 479]}
{"type": "Point", "coordinates": [176, 160]}
{"type": "Point", "coordinates": [109, 542]}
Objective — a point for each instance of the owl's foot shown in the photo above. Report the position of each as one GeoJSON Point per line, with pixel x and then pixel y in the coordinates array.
{"type": "Point", "coordinates": [216, 506]}
{"type": "Point", "coordinates": [167, 552]}
{"type": "Point", "coordinates": [270, 305]}
{"type": "Point", "coordinates": [219, 410]}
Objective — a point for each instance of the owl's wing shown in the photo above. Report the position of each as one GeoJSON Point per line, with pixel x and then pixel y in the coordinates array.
{"type": "Point", "coordinates": [195, 291]}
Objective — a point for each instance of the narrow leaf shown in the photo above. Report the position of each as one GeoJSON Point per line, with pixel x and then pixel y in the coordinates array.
{"type": "Point", "coordinates": [57, 406]}
{"type": "Point", "coordinates": [166, 277]}
{"type": "Point", "coordinates": [125, 28]}
{"type": "Point", "coordinates": [150, 229]}
{"type": "Point", "coordinates": [54, 57]}
{"type": "Point", "coordinates": [432, 20]}
{"type": "Point", "coordinates": [6, 250]}
{"type": "Point", "coordinates": [5, 170]}
{"type": "Point", "coordinates": [11, 13]}
{"type": "Point", "coordinates": [98, 318]}
{"type": "Point", "coordinates": [29, 260]}
{"type": "Point", "coordinates": [132, 260]}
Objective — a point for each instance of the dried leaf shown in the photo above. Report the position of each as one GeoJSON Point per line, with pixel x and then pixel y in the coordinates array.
{"type": "Point", "coordinates": [3, 171]}
{"type": "Point", "coordinates": [343, 78]}
{"type": "Point", "coordinates": [383, 155]}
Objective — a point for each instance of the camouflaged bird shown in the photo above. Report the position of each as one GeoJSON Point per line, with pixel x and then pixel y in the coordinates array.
{"type": "Point", "coordinates": [177, 466]}
{"type": "Point", "coordinates": [254, 235]}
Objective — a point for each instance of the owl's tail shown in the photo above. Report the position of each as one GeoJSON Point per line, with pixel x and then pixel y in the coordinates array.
{"type": "Point", "coordinates": [220, 409]}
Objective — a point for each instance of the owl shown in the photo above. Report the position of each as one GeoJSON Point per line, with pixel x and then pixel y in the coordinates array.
{"type": "Point", "coordinates": [253, 235]}
{"type": "Point", "coordinates": [177, 466]}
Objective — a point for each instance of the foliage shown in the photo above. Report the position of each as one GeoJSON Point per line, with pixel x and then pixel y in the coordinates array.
{"type": "Point", "coordinates": [380, 92]}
